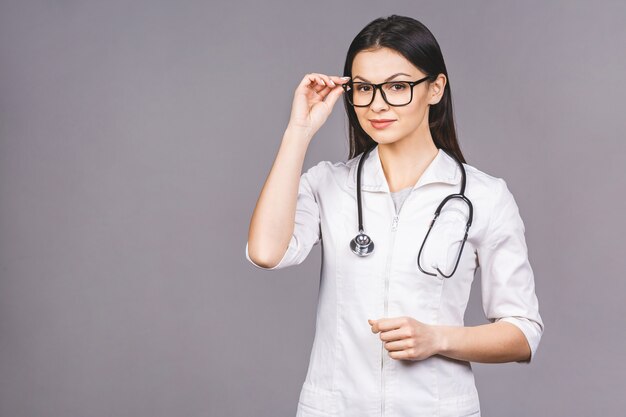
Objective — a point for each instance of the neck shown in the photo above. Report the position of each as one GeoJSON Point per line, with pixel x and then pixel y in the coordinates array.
{"type": "Point", "coordinates": [404, 161]}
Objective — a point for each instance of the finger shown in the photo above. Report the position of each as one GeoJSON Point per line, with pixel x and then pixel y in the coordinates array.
{"type": "Point", "coordinates": [308, 80]}
{"type": "Point", "coordinates": [396, 346]}
{"type": "Point", "coordinates": [336, 81]}
{"type": "Point", "coordinates": [372, 323]}
{"type": "Point", "coordinates": [329, 82]}
{"type": "Point", "coordinates": [391, 323]}
{"type": "Point", "coordinates": [339, 80]}
{"type": "Point", "coordinates": [321, 90]}
{"type": "Point", "coordinates": [312, 80]}
{"type": "Point", "coordinates": [333, 81]}
{"type": "Point", "coordinates": [400, 354]}
{"type": "Point", "coordinates": [391, 335]}
{"type": "Point", "coordinates": [319, 80]}
{"type": "Point", "coordinates": [323, 79]}
{"type": "Point", "coordinates": [323, 85]}
{"type": "Point", "coordinates": [320, 86]}
{"type": "Point", "coordinates": [333, 95]}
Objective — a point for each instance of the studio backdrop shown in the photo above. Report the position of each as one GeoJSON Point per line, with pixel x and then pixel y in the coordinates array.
{"type": "Point", "coordinates": [135, 138]}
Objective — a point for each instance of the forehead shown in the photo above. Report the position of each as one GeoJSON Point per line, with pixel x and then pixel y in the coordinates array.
{"type": "Point", "coordinates": [379, 64]}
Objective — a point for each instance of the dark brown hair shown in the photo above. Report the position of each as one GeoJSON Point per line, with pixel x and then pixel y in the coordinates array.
{"type": "Point", "coordinates": [417, 44]}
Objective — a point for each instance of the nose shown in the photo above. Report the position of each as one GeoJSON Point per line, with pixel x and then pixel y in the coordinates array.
{"type": "Point", "coordinates": [379, 102]}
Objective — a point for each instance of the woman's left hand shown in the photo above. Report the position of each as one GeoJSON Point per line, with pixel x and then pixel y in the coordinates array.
{"type": "Point", "coordinates": [407, 338]}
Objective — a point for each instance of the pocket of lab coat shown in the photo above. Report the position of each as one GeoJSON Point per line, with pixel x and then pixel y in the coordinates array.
{"type": "Point", "coordinates": [444, 242]}
{"type": "Point", "coordinates": [316, 402]}
{"type": "Point", "coordinates": [461, 406]}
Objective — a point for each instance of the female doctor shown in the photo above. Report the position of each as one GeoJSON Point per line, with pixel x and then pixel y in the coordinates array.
{"type": "Point", "coordinates": [404, 225]}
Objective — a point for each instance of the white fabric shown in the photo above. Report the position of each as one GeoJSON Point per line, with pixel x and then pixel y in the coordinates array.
{"type": "Point", "coordinates": [350, 373]}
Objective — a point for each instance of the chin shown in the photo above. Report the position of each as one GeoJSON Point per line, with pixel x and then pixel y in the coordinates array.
{"type": "Point", "coordinates": [383, 139]}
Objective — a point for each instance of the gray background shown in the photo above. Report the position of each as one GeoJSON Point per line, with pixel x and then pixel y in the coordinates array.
{"type": "Point", "coordinates": [135, 138]}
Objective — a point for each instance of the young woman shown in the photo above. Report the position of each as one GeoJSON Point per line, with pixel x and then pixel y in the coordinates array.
{"type": "Point", "coordinates": [398, 254]}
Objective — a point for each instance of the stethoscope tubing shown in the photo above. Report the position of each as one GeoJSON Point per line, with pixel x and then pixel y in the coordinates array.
{"type": "Point", "coordinates": [362, 245]}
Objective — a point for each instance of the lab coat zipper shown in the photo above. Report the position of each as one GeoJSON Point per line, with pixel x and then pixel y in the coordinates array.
{"type": "Point", "coordinates": [394, 227]}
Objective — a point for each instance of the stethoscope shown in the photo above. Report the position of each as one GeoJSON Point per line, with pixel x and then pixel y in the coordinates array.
{"type": "Point", "coordinates": [362, 245]}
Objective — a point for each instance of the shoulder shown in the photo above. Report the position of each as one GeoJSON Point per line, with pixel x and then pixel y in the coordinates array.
{"type": "Point", "coordinates": [490, 190]}
{"type": "Point", "coordinates": [483, 181]}
{"type": "Point", "coordinates": [327, 172]}
{"type": "Point", "coordinates": [500, 205]}
{"type": "Point", "coordinates": [486, 186]}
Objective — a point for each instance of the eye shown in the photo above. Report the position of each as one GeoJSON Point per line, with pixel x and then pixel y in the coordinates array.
{"type": "Point", "coordinates": [401, 86]}
{"type": "Point", "coordinates": [362, 87]}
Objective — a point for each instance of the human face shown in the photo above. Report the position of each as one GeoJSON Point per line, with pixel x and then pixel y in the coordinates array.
{"type": "Point", "coordinates": [410, 121]}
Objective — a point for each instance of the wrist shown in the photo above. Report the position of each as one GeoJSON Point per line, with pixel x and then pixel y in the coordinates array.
{"type": "Point", "coordinates": [441, 339]}
{"type": "Point", "coordinates": [300, 133]}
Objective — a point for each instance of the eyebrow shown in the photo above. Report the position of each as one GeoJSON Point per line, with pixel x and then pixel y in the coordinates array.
{"type": "Point", "coordinates": [393, 76]}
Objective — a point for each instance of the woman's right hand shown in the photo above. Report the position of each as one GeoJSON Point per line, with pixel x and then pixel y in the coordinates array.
{"type": "Point", "coordinates": [313, 101]}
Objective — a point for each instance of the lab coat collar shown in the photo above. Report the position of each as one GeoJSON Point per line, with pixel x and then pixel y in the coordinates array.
{"type": "Point", "coordinates": [442, 169]}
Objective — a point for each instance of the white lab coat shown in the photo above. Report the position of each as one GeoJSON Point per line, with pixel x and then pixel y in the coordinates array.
{"type": "Point", "coordinates": [350, 373]}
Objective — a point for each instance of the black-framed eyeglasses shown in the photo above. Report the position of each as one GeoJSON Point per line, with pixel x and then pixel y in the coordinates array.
{"type": "Point", "coordinates": [395, 93]}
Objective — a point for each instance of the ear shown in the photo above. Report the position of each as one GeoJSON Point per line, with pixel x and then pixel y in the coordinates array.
{"type": "Point", "coordinates": [436, 89]}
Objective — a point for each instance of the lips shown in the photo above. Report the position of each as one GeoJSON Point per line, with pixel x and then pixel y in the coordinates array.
{"type": "Point", "coordinates": [381, 123]}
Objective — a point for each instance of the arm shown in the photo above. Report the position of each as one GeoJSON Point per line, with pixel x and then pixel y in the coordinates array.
{"type": "Point", "coordinates": [509, 303]}
{"type": "Point", "coordinates": [285, 221]}
{"type": "Point", "coordinates": [489, 343]}
{"type": "Point", "coordinates": [508, 290]}
{"type": "Point", "coordinates": [273, 219]}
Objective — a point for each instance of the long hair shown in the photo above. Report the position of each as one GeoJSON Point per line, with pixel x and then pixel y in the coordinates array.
{"type": "Point", "coordinates": [417, 44]}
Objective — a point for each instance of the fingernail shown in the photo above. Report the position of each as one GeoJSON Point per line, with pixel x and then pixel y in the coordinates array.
{"type": "Point", "coordinates": [332, 83]}
{"type": "Point", "coordinates": [345, 78]}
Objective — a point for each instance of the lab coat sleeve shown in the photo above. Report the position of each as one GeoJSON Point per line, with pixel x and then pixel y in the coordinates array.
{"type": "Point", "coordinates": [307, 232]}
{"type": "Point", "coordinates": [507, 279]}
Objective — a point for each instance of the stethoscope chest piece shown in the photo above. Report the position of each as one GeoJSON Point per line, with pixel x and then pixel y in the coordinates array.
{"type": "Point", "coordinates": [362, 245]}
